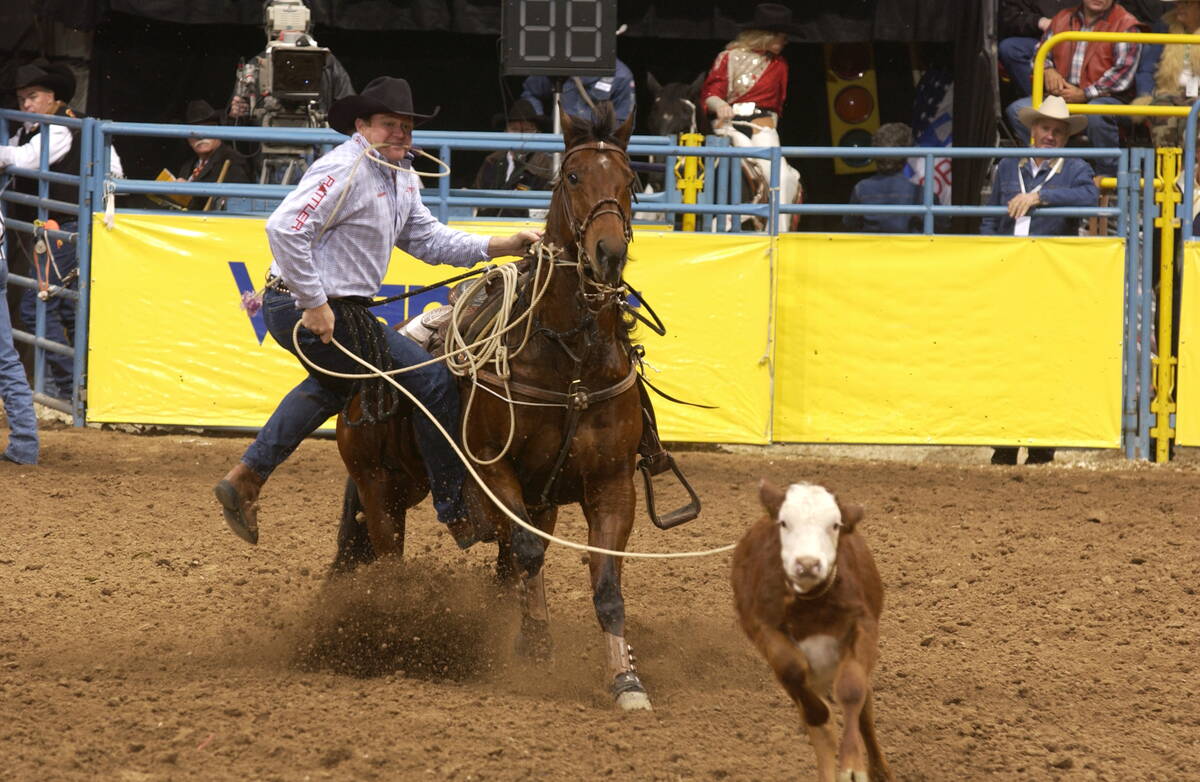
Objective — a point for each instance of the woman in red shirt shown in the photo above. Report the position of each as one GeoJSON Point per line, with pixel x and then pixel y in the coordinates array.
{"type": "Point", "coordinates": [748, 81]}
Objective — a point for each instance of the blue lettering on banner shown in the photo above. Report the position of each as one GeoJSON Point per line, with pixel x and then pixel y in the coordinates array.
{"type": "Point", "coordinates": [393, 313]}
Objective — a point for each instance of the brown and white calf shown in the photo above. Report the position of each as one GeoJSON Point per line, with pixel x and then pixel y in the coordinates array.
{"type": "Point", "coordinates": [809, 597]}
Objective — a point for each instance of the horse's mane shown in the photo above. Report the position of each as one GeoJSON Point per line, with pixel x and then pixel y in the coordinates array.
{"type": "Point", "coordinates": [602, 127]}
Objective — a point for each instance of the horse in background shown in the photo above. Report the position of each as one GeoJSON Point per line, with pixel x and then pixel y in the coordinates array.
{"type": "Point", "coordinates": [676, 110]}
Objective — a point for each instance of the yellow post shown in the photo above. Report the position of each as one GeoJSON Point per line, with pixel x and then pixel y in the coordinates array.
{"type": "Point", "coordinates": [1039, 68]}
{"type": "Point", "coordinates": [691, 179]}
{"type": "Point", "coordinates": [1168, 197]}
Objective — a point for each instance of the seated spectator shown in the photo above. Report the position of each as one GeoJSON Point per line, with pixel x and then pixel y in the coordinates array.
{"type": "Point", "coordinates": [1043, 180]}
{"type": "Point", "coordinates": [888, 186]}
{"type": "Point", "coordinates": [505, 169]}
{"type": "Point", "coordinates": [1095, 73]}
{"type": "Point", "coordinates": [213, 160]}
{"type": "Point", "coordinates": [1021, 24]}
{"type": "Point", "coordinates": [1176, 74]}
{"type": "Point", "coordinates": [580, 95]}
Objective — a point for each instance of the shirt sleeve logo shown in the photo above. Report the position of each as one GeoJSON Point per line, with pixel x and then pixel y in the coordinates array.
{"type": "Point", "coordinates": [314, 201]}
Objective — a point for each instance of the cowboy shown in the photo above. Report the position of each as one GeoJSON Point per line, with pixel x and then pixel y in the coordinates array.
{"type": "Point", "coordinates": [15, 394]}
{"type": "Point", "coordinates": [213, 160]}
{"type": "Point", "coordinates": [580, 96]}
{"type": "Point", "coordinates": [46, 89]}
{"type": "Point", "coordinates": [1041, 180]}
{"type": "Point", "coordinates": [506, 169]}
{"type": "Point", "coordinates": [331, 240]}
{"type": "Point", "coordinates": [1095, 72]}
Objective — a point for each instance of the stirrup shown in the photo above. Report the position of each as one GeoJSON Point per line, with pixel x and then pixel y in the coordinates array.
{"type": "Point", "coordinates": [656, 465]}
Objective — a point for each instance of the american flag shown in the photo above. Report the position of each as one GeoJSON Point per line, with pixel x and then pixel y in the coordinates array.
{"type": "Point", "coordinates": [932, 127]}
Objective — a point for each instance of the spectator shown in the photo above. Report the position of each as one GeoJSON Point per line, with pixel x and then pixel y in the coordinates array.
{"type": "Point", "coordinates": [1093, 73]}
{"type": "Point", "coordinates": [1021, 26]}
{"type": "Point", "coordinates": [505, 169]}
{"type": "Point", "coordinates": [1176, 74]}
{"type": "Point", "coordinates": [14, 386]}
{"type": "Point", "coordinates": [213, 160]}
{"type": "Point", "coordinates": [45, 89]}
{"type": "Point", "coordinates": [888, 186]}
{"type": "Point", "coordinates": [580, 95]}
{"type": "Point", "coordinates": [748, 80]}
{"type": "Point", "coordinates": [1023, 184]}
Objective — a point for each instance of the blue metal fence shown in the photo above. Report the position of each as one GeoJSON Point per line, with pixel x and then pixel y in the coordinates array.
{"type": "Point", "coordinates": [720, 198]}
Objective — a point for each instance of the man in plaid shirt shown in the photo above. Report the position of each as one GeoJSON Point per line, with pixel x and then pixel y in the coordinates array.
{"type": "Point", "coordinates": [1089, 72]}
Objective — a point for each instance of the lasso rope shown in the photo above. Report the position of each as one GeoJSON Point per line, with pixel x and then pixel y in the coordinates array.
{"type": "Point", "coordinates": [374, 371]}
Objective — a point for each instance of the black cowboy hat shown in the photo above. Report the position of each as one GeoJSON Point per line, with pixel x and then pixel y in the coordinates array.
{"type": "Point", "coordinates": [59, 79]}
{"type": "Point", "coordinates": [384, 95]}
{"type": "Point", "coordinates": [199, 112]}
{"type": "Point", "coordinates": [773, 18]}
{"type": "Point", "coordinates": [521, 111]}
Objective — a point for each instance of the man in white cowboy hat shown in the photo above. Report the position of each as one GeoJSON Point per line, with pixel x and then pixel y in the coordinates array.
{"type": "Point", "coordinates": [331, 240]}
{"type": "Point", "coordinates": [1042, 179]}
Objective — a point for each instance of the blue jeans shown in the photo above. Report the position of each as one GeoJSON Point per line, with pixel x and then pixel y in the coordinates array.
{"type": "Point", "coordinates": [1016, 54]}
{"type": "Point", "coordinates": [319, 396]}
{"type": "Point", "coordinates": [59, 379]}
{"type": "Point", "coordinates": [14, 387]}
{"type": "Point", "coordinates": [1102, 130]}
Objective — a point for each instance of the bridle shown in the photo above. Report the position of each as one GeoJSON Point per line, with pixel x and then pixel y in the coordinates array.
{"type": "Point", "coordinates": [602, 207]}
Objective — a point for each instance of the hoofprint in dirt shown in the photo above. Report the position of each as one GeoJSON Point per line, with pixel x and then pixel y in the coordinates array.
{"type": "Point", "coordinates": [1041, 623]}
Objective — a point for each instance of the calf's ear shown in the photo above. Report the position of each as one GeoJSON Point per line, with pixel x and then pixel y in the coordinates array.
{"type": "Point", "coordinates": [771, 497]}
{"type": "Point", "coordinates": [851, 515]}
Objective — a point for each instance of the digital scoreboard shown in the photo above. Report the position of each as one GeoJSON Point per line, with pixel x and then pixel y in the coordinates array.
{"type": "Point", "coordinates": [559, 37]}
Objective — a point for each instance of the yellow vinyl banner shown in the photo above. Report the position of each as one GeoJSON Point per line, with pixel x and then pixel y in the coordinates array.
{"type": "Point", "coordinates": [1187, 384]}
{"type": "Point", "coordinates": [949, 339]}
{"type": "Point", "coordinates": [171, 344]}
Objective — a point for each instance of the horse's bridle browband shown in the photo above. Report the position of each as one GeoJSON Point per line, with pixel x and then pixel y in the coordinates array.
{"type": "Point", "coordinates": [604, 205]}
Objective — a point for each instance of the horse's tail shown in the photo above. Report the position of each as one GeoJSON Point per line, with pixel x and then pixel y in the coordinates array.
{"type": "Point", "coordinates": [354, 547]}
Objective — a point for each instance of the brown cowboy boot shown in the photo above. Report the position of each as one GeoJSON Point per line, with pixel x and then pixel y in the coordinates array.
{"type": "Point", "coordinates": [238, 494]}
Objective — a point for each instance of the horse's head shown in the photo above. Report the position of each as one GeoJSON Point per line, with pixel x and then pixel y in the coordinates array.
{"type": "Point", "coordinates": [674, 108]}
{"type": "Point", "coordinates": [594, 190]}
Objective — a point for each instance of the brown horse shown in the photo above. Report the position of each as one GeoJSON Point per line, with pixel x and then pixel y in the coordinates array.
{"type": "Point", "coordinates": [577, 446]}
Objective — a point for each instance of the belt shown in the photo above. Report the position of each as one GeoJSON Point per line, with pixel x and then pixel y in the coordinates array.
{"type": "Point", "coordinates": [277, 284]}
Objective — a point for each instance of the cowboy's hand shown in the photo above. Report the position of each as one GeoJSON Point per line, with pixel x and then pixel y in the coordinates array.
{"type": "Point", "coordinates": [1020, 205]}
{"type": "Point", "coordinates": [319, 320]}
{"type": "Point", "coordinates": [512, 245]}
{"type": "Point", "coordinates": [1054, 81]}
{"type": "Point", "coordinates": [1072, 94]}
{"type": "Point", "coordinates": [722, 110]}
{"type": "Point", "coordinates": [239, 106]}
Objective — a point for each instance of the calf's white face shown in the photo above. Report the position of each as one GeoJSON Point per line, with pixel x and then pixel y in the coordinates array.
{"type": "Point", "coordinates": [810, 519]}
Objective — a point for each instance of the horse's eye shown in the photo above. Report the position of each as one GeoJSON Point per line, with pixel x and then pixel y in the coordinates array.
{"type": "Point", "coordinates": [573, 178]}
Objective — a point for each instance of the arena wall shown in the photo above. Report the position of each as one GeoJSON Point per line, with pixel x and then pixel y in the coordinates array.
{"type": "Point", "coordinates": [804, 337]}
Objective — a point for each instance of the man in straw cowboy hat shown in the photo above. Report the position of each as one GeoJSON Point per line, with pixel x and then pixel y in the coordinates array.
{"type": "Point", "coordinates": [331, 240]}
{"type": "Point", "coordinates": [1041, 180]}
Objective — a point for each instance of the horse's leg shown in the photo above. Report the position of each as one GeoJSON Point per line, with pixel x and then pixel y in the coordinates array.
{"type": "Point", "coordinates": [383, 494]}
{"type": "Point", "coordinates": [354, 546]}
{"type": "Point", "coordinates": [534, 641]}
{"type": "Point", "coordinates": [609, 508]}
{"type": "Point", "coordinates": [519, 549]}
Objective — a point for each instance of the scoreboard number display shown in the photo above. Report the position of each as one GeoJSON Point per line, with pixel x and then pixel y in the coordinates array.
{"type": "Point", "coordinates": [559, 37]}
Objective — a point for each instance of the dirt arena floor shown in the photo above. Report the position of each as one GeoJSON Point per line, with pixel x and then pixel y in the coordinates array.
{"type": "Point", "coordinates": [1041, 623]}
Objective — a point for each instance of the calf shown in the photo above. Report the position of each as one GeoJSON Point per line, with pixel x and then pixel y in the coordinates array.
{"type": "Point", "coordinates": [809, 597]}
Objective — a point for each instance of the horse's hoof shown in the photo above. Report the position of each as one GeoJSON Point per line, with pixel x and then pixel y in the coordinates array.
{"type": "Point", "coordinates": [634, 701]}
{"type": "Point", "coordinates": [629, 693]}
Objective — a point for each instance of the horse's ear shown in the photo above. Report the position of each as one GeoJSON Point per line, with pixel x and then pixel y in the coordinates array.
{"type": "Point", "coordinates": [698, 84]}
{"type": "Point", "coordinates": [569, 131]}
{"type": "Point", "coordinates": [652, 83]}
{"type": "Point", "coordinates": [771, 497]}
{"type": "Point", "coordinates": [625, 131]}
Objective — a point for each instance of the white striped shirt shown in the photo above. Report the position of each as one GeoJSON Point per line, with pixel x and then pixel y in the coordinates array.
{"type": "Point", "coordinates": [322, 255]}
